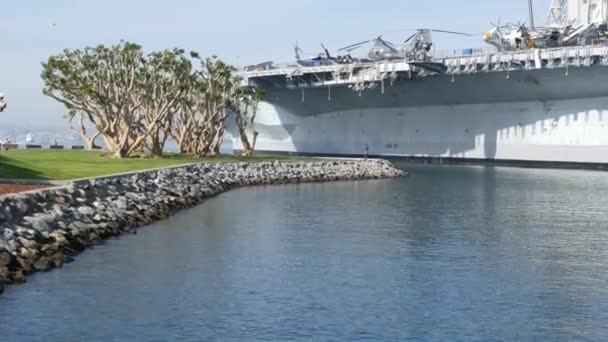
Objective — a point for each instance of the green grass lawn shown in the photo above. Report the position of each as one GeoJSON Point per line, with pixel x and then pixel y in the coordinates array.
{"type": "Point", "coordinates": [66, 165]}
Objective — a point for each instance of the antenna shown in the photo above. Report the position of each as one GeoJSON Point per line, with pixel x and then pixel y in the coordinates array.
{"type": "Point", "coordinates": [531, 9]}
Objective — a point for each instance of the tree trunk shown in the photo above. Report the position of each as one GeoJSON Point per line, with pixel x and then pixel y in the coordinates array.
{"type": "Point", "coordinates": [240, 124]}
{"type": "Point", "coordinates": [90, 142]}
{"type": "Point", "coordinates": [249, 152]}
{"type": "Point", "coordinates": [121, 153]}
{"type": "Point", "coordinates": [218, 139]}
{"type": "Point", "coordinates": [181, 141]}
{"type": "Point", "coordinates": [154, 144]}
{"type": "Point", "coordinates": [82, 131]}
{"type": "Point", "coordinates": [110, 143]}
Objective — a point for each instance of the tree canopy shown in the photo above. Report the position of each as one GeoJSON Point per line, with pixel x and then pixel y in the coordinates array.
{"type": "Point", "coordinates": [136, 101]}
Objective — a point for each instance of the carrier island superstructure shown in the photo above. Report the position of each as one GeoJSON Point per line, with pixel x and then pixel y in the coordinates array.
{"type": "Point", "coordinates": [538, 96]}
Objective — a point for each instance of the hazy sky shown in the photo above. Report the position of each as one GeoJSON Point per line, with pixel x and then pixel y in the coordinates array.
{"type": "Point", "coordinates": [240, 31]}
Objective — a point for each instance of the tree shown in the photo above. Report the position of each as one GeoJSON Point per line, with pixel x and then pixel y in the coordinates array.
{"type": "Point", "coordinates": [189, 125]}
{"type": "Point", "coordinates": [136, 102]}
{"type": "Point", "coordinates": [249, 99]}
{"type": "Point", "coordinates": [224, 84]}
{"type": "Point", "coordinates": [165, 81]}
{"type": "Point", "coordinates": [82, 129]}
{"type": "Point", "coordinates": [100, 83]}
{"type": "Point", "coordinates": [199, 126]}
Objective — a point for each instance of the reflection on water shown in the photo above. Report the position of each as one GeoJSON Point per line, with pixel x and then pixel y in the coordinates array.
{"type": "Point", "coordinates": [453, 253]}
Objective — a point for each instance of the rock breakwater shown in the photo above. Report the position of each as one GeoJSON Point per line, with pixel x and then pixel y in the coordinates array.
{"type": "Point", "coordinates": [44, 229]}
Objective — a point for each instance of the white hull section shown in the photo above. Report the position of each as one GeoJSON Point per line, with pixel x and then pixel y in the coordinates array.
{"type": "Point", "coordinates": [574, 130]}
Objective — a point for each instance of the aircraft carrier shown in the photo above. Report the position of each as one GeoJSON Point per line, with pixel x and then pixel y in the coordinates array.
{"type": "Point", "coordinates": [540, 95]}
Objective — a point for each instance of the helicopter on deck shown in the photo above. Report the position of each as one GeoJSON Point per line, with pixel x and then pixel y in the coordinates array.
{"type": "Point", "coordinates": [415, 50]}
{"type": "Point", "coordinates": [343, 59]}
{"type": "Point", "coordinates": [416, 47]}
{"type": "Point", "coordinates": [324, 58]}
{"type": "Point", "coordinates": [319, 60]}
{"type": "Point", "coordinates": [380, 50]}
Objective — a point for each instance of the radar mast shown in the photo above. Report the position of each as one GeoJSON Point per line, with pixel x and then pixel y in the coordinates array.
{"type": "Point", "coordinates": [558, 14]}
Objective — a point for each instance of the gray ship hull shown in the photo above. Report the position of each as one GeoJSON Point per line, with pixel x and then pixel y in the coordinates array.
{"type": "Point", "coordinates": [547, 115]}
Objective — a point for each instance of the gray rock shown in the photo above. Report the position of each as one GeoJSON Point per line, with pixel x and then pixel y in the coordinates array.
{"type": "Point", "coordinates": [58, 237]}
{"type": "Point", "coordinates": [5, 258]}
{"type": "Point", "coordinates": [7, 213]}
{"type": "Point", "coordinates": [120, 203]}
{"type": "Point", "coordinates": [42, 265]}
{"type": "Point", "coordinates": [29, 244]}
{"type": "Point", "coordinates": [85, 210]}
{"type": "Point", "coordinates": [11, 245]}
{"type": "Point", "coordinates": [27, 253]}
{"type": "Point", "coordinates": [98, 204]}
{"type": "Point", "coordinates": [78, 226]}
{"type": "Point", "coordinates": [8, 234]}
{"type": "Point", "coordinates": [38, 223]}
{"type": "Point", "coordinates": [26, 232]}
{"type": "Point", "coordinates": [20, 205]}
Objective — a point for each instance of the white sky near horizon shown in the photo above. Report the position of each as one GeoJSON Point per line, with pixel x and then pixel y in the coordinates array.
{"type": "Point", "coordinates": [239, 31]}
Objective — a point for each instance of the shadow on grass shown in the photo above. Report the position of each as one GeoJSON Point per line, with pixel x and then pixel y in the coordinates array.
{"type": "Point", "coordinates": [10, 169]}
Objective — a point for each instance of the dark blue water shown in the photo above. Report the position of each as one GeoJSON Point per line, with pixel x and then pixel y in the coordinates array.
{"type": "Point", "coordinates": [451, 254]}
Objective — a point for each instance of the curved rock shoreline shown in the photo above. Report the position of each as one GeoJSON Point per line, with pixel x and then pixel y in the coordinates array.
{"type": "Point", "coordinates": [44, 229]}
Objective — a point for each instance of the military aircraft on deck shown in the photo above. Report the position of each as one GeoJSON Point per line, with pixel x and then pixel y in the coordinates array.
{"type": "Point", "coordinates": [415, 50]}
{"type": "Point", "coordinates": [346, 59]}
{"type": "Point", "coordinates": [381, 49]}
{"type": "Point", "coordinates": [319, 60]}
{"type": "Point", "coordinates": [416, 47]}
{"type": "Point", "coordinates": [326, 58]}
{"type": "Point", "coordinates": [517, 36]}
